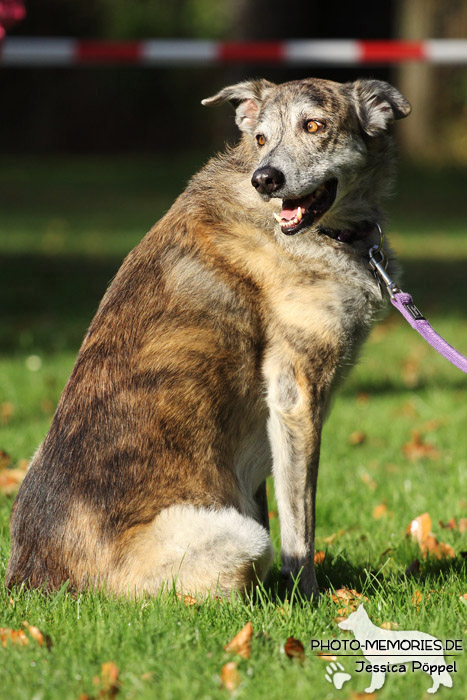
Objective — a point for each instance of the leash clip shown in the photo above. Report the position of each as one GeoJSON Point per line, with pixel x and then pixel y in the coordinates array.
{"type": "Point", "coordinates": [378, 266]}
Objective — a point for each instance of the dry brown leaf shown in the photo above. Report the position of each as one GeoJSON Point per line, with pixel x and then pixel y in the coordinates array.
{"type": "Point", "coordinates": [413, 568]}
{"type": "Point", "coordinates": [389, 625]}
{"type": "Point", "coordinates": [6, 412]}
{"type": "Point", "coordinates": [335, 535]}
{"type": "Point", "coordinates": [420, 531]}
{"type": "Point", "coordinates": [230, 677]}
{"type": "Point", "coordinates": [5, 459]}
{"type": "Point", "coordinates": [445, 551]}
{"type": "Point", "coordinates": [416, 599]}
{"type": "Point", "coordinates": [369, 481]}
{"type": "Point", "coordinates": [35, 633]}
{"type": "Point", "coordinates": [380, 511]}
{"type": "Point", "coordinates": [20, 638]}
{"type": "Point", "coordinates": [109, 680]}
{"type": "Point", "coordinates": [241, 643]}
{"type": "Point", "coordinates": [357, 438]}
{"type": "Point", "coordinates": [272, 514]}
{"type": "Point", "coordinates": [294, 649]}
{"type": "Point", "coordinates": [350, 598]}
{"type": "Point", "coordinates": [450, 525]}
{"type": "Point", "coordinates": [17, 637]}
{"type": "Point", "coordinates": [187, 599]}
{"type": "Point", "coordinates": [411, 371]}
{"type": "Point", "coordinates": [319, 556]}
{"type": "Point", "coordinates": [148, 676]}
{"type": "Point", "coordinates": [418, 449]}
{"type": "Point", "coordinates": [10, 480]}
{"type": "Point", "coordinates": [462, 525]}
{"type": "Point", "coordinates": [420, 527]}
{"type": "Point", "coordinates": [361, 696]}
{"type": "Point", "coordinates": [463, 596]}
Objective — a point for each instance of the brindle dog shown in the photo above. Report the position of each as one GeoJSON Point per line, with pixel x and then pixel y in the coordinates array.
{"type": "Point", "coordinates": [213, 355]}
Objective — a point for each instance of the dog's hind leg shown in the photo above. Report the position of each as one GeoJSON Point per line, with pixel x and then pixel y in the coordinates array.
{"type": "Point", "coordinates": [199, 550]}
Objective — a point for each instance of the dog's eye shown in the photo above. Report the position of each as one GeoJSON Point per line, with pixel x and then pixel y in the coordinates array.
{"type": "Point", "coordinates": [260, 139]}
{"type": "Point", "coordinates": [314, 125]}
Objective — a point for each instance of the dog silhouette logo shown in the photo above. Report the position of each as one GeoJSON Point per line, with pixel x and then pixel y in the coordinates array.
{"type": "Point", "coordinates": [389, 651]}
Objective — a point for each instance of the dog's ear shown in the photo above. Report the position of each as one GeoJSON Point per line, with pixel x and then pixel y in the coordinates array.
{"type": "Point", "coordinates": [378, 104]}
{"type": "Point", "coordinates": [246, 97]}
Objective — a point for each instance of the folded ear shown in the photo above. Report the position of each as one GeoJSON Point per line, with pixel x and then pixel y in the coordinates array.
{"type": "Point", "coordinates": [378, 104]}
{"type": "Point", "coordinates": [246, 97]}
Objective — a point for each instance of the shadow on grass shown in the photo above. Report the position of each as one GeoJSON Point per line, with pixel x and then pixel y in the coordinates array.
{"type": "Point", "coordinates": [48, 301]}
{"type": "Point", "coordinates": [341, 573]}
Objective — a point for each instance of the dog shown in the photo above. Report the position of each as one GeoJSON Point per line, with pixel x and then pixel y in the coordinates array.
{"type": "Point", "coordinates": [212, 358]}
{"type": "Point", "coordinates": [410, 644]}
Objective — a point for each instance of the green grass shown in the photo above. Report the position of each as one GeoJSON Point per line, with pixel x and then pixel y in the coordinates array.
{"type": "Point", "coordinates": [65, 226]}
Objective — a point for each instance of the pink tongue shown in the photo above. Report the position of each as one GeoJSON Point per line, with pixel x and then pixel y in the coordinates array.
{"type": "Point", "coordinates": [290, 206]}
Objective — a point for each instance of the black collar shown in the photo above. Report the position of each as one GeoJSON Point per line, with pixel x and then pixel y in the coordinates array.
{"type": "Point", "coordinates": [347, 235]}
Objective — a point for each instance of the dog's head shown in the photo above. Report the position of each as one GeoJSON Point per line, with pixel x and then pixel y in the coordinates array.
{"type": "Point", "coordinates": [320, 146]}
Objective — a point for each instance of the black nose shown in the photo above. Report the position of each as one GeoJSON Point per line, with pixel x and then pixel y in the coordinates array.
{"type": "Point", "coordinates": [267, 180]}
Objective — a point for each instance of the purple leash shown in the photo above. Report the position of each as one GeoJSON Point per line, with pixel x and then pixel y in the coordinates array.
{"type": "Point", "coordinates": [403, 302]}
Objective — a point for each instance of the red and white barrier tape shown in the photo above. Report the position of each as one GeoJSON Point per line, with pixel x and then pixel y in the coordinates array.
{"type": "Point", "coordinates": [22, 51]}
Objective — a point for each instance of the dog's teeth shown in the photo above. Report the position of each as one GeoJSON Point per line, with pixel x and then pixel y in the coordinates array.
{"type": "Point", "coordinates": [299, 214]}
{"type": "Point", "coordinates": [277, 217]}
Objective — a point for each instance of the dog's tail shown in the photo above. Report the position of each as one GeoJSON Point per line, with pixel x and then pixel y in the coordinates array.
{"type": "Point", "coordinates": [201, 550]}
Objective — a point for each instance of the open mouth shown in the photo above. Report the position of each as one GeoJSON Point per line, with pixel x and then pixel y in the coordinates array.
{"type": "Point", "coordinates": [299, 213]}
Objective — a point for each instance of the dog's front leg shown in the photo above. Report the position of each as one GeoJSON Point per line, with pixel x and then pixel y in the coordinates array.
{"type": "Point", "coordinates": [296, 407]}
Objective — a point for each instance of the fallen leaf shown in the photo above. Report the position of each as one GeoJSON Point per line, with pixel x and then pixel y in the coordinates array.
{"type": "Point", "coordinates": [6, 412]}
{"type": "Point", "coordinates": [369, 481]}
{"type": "Point", "coordinates": [450, 525]}
{"type": "Point", "coordinates": [360, 696]}
{"type": "Point", "coordinates": [380, 511]}
{"type": "Point", "coordinates": [389, 625]}
{"type": "Point", "coordinates": [230, 677]}
{"type": "Point", "coordinates": [357, 438]}
{"type": "Point", "coordinates": [462, 525]}
{"type": "Point", "coordinates": [418, 449]}
{"type": "Point", "coordinates": [420, 527]}
{"type": "Point", "coordinates": [420, 531]}
{"type": "Point", "coordinates": [187, 599]}
{"type": "Point", "coordinates": [319, 557]}
{"type": "Point", "coordinates": [328, 657]}
{"type": "Point", "coordinates": [416, 599]}
{"type": "Point", "coordinates": [350, 598]}
{"type": "Point", "coordinates": [294, 649]}
{"type": "Point", "coordinates": [17, 637]}
{"type": "Point", "coordinates": [241, 643]}
{"type": "Point", "coordinates": [10, 480]}
{"type": "Point", "coordinates": [148, 676]}
{"type": "Point", "coordinates": [20, 638]}
{"type": "Point", "coordinates": [35, 633]}
{"type": "Point", "coordinates": [335, 535]}
{"type": "Point", "coordinates": [272, 514]}
{"type": "Point", "coordinates": [411, 371]}
{"type": "Point", "coordinates": [5, 459]}
{"type": "Point", "coordinates": [413, 568]}
{"type": "Point", "coordinates": [109, 680]}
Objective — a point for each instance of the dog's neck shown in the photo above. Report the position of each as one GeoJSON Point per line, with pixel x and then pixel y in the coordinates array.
{"type": "Point", "coordinates": [347, 235]}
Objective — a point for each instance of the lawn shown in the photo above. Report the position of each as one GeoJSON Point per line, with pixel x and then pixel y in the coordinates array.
{"type": "Point", "coordinates": [394, 448]}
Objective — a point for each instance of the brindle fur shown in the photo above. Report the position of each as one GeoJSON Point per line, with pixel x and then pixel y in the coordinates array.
{"type": "Point", "coordinates": [211, 361]}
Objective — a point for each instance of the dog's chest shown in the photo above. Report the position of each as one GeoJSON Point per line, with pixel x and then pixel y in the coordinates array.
{"type": "Point", "coordinates": [322, 307]}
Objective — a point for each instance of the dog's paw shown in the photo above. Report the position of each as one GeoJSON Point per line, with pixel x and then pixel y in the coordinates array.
{"type": "Point", "coordinates": [336, 675]}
